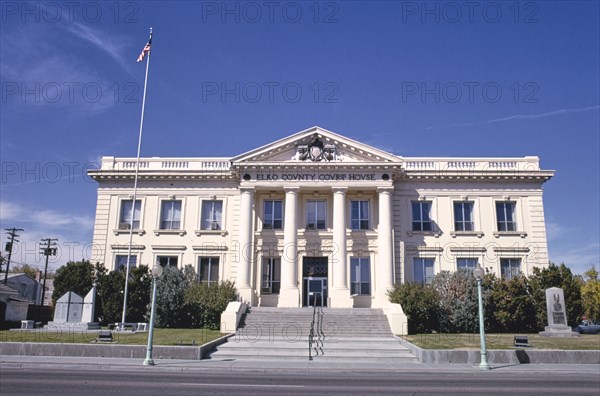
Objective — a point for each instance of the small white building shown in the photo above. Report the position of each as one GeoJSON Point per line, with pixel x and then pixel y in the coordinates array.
{"type": "Point", "coordinates": [319, 212]}
{"type": "Point", "coordinates": [28, 288]}
{"type": "Point", "coordinates": [13, 308]}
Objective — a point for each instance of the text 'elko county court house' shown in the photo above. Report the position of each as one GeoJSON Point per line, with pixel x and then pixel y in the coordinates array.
{"type": "Point", "coordinates": [321, 213]}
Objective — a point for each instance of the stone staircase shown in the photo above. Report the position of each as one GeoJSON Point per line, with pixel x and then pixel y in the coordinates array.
{"type": "Point", "coordinates": [349, 335]}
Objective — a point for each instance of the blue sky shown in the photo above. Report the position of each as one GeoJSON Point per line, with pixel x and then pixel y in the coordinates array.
{"type": "Point", "coordinates": [417, 79]}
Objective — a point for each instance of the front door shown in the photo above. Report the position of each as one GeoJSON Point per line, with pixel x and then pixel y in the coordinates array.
{"type": "Point", "coordinates": [314, 271]}
{"type": "Point", "coordinates": [317, 292]}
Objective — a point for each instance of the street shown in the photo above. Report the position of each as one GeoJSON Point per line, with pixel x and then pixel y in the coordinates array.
{"type": "Point", "coordinates": [154, 381]}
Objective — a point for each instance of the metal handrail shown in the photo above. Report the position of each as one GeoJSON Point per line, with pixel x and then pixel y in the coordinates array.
{"type": "Point", "coordinates": [311, 335]}
{"type": "Point", "coordinates": [316, 329]}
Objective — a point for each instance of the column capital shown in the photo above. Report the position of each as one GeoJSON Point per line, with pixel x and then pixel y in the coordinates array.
{"type": "Point", "coordinates": [384, 190]}
{"type": "Point", "coordinates": [291, 190]}
{"type": "Point", "coordinates": [247, 189]}
{"type": "Point", "coordinates": [339, 190]}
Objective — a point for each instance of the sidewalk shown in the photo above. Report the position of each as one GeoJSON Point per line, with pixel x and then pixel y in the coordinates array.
{"type": "Point", "coordinates": [260, 366]}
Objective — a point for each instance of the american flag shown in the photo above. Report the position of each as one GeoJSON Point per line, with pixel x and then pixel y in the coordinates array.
{"type": "Point", "coordinates": [146, 49]}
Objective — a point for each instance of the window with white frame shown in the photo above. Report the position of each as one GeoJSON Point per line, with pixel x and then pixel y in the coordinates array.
{"type": "Point", "coordinates": [208, 269]}
{"type": "Point", "coordinates": [170, 215]}
{"type": "Point", "coordinates": [510, 267]}
{"type": "Point", "coordinates": [360, 276]}
{"type": "Point", "coordinates": [505, 214]}
{"type": "Point", "coordinates": [463, 216]}
{"type": "Point", "coordinates": [316, 214]}
{"type": "Point", "coordinates": [423, 270]}
{"type": "Point", "coordinates": [212, 215]}
{"type": "Point", "coordinates": [167, 261]}
{"type": "Point", "coordinates": [121, 261]}
{"type": "Point", "coordinates": [127, 210]}
{"type": "Point", "coordinates": [466, 263]}
{"type": "Point", "coordinates": [359, 215]}
{"type": "Point", "coordinates": [273, 214]}
{"type": "Point", "coordinates": [421, 221]}
{"type": "Point", "coordinates": [271, 275]}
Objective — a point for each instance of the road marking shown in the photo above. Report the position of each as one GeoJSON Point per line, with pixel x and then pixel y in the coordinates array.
{"type": "Point", "coordinates": [244, 385]}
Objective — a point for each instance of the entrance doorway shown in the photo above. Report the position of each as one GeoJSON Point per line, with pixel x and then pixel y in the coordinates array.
{"type": "Point", "coordinates": [314, 274]}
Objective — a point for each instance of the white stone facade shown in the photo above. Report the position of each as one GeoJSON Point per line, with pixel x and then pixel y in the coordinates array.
{"type": "Point", "coordinates": [320, 211]}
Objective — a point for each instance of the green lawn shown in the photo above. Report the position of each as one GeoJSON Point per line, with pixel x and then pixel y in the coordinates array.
{"type": "Point", "coordinates": [161, 336]}
{"type": "Point", "coordinates": [502, 341]}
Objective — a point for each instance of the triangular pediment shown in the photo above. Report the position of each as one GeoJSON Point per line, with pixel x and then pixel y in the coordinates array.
{"type": "Point", "coordinates": [316, 145]}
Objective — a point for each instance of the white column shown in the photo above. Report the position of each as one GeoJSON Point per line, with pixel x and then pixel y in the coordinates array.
{"type": "Point", "coordinates": [384, 265]}
{"type": "Point", "coordinates": [289, 295]}
{"type": "Point", "coordinates": [340, 294]}
{"type": "Point", "coordinates": [244, 268]}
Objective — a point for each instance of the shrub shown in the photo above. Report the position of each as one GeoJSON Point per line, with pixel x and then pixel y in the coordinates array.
{"type": "Point", "coordinates": [170, 299]}
{"type": "Point", "coordinates": [206, 302]}
{"type": "Point", "coordinates": [420, 304]}
{"type": "Point", "coordinates": [590, 294]}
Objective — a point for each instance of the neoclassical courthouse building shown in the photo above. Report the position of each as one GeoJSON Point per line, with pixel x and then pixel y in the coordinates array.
{"type": "Point", "coordinates": [318, 218]}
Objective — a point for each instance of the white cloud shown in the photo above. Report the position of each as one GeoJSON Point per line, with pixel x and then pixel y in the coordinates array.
{"type": "Point", "coordinates": [73, 231]}
{"type": "Point", "coordinates": [114, 47]}
{"type": "Point", "coordinates": [554, 230]}
{"type": "Point", "coordinates": [577, 257]}
{"type": "Point", "coordinates": [10, 211]}
{"type": "Point", "coordinates": [529, 116]}
{"type": "Point", "coordinates": [48, 64]}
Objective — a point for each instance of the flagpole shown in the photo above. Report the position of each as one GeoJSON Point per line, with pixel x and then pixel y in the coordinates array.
{"type": "Point", "coordinates": [135, 183]}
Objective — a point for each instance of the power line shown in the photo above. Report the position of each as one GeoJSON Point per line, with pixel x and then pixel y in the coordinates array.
{"type": "Point", "coordinates": [12, 232]}
{"type": "Point", "coordinates": [48, 250]}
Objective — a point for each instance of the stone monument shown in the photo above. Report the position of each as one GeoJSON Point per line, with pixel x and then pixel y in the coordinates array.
{"type": "Point", "coordinates": [557, 315]}
{"type": "Point", "coordinates": [68, 308]}
{"type": "Point", "coordinates": [72, 311]}
{"type": "Point", "coordinates": [88, 306]}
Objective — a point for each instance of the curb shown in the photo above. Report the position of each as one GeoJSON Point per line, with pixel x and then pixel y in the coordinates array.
{"type": "Point", "coordinates": [110, 351]}
{"type": "Point", "coordinates": [503, 356]}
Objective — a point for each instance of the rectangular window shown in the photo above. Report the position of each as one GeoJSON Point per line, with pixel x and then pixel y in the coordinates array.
{"type": "Point", "coordinates": [510, 267]}
{"type": "Point", "coordinates": [167, 261]}
{"type": "Point", "coordinates": [212, 215]}
{"type": "Point", "coordinates": [273, 215]}
{"type": "Point", "coordinates": [122, 259]}
{"type": "Point", "coordinates": [271, 275]}
{"type": "Point", "coordinates": [359, 215]}
{"type": "Point", "coordinates": [208, 268]}
{"type": "Point", "coordinates": [463, 216]}
{"type": "Point", "coordinates": [170, 215]}
{"type": "Point", "coordinates": [466, 263]}
{"type": "Point", "coordinates": [360, 276]}
{"type": "Point", "coordinates": [316, 214]}
{"type": "Point", "coordinates": [505, 213]}
{"type": "Point", "coordinates": [126, 211]}
{"type": "Point", "coordinates": [420, 216]}
{"type": "Point", "coordinates": [423, 270]}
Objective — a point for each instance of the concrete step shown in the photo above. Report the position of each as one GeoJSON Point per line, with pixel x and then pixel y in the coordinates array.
{"type": "Point", "coordinates": [351, 335]}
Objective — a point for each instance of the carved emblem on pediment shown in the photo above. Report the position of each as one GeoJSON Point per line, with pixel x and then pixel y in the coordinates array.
{"type": "Point", "coordinates": [315, 151]}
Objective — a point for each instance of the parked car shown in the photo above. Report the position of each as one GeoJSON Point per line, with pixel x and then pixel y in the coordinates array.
{"type": "Point", "coordinates": [589, 327]}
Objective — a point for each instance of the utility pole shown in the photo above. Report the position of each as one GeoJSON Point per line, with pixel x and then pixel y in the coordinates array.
{"type": "Point", "coordinates": [48, 250]}
{"type": "Point", "coordinates": [12, 232]}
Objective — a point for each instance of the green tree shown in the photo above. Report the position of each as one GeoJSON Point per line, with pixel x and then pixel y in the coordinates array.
{"type": "Point", "coordinates": [590, 294]}
{"type": "Point", "coordinates": [171, 310]}
{"type": "Point", "coordinates": [206, 302]}
{"type": "Point", "coordinates": [77, 277]}
{"type": "Point", "coordinates": [140, 287]}
{"type": "Point", "coordinates": [556, 276]}
{"type": "Point", "coordinates": [111, 287]}
{"type": "Point", "coordinates": [514, 306]}
{"type": "Point", "coordinates": [420, 304]}
{"type": "Point", "coordinates": [110, 297]}
{"type": "Point", "coordinates": [24, 268]}
{"type": "Point", "coordinates": [458, 310]}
